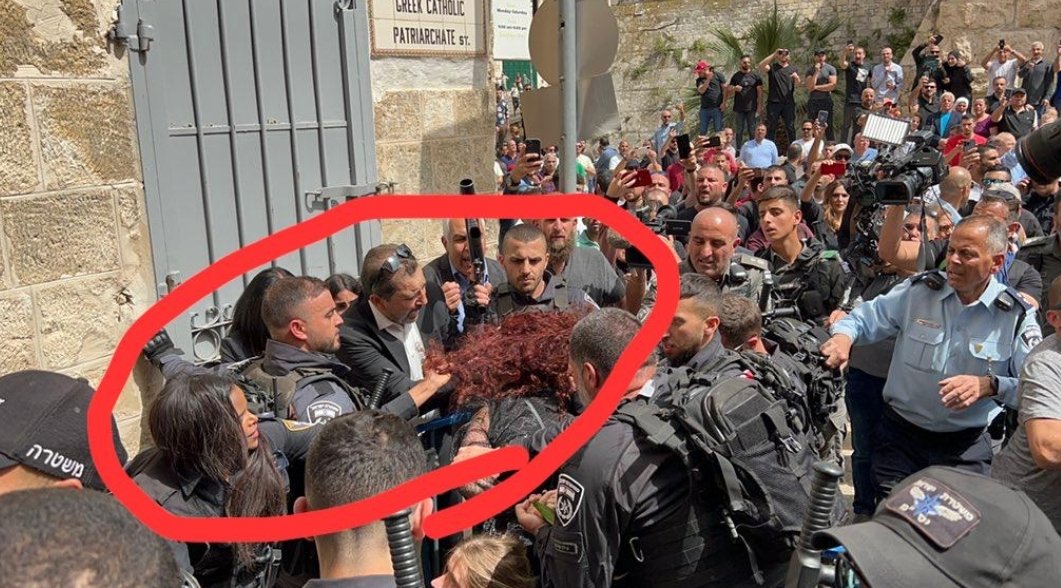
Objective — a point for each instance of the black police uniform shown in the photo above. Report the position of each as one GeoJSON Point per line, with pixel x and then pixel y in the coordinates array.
{"type": "Point", "coordinates": [555, 296]}
{"type": "Point", "coordinates": [668, 381]}
{"type": "Point", "coordinates": [1044, 256]}
{"type": "Point", "coordinates": [323, 394]}
{"type": "Point", "coordinates": [188, 494]}
{"type": "Point", "coordinates": [627, 516]}
{"type": "Point", "coordinates": [816, 282]}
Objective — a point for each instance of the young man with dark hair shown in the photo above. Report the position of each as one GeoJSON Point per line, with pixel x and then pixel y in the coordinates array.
{"type": "Point", "coordinates": [806, 276]}
{"type": "Point", "coordinates": [357, 456]}
{"type": "Point", "coordinates": [65, 537]}
{"type": "Point", "coordinates": [529, 284]}
{"type": "Point", "coordinates": [781, 97]}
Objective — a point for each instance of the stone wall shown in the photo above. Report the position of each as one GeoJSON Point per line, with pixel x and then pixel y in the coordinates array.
{"type": "Point", "coordinates": [76, 260]}
{"type": "Point", "coordinates": [434, 126]}
{"type": "Point", "coordinates": [659, 40]}
{"type": "Point", "coordinates": [975, 26]}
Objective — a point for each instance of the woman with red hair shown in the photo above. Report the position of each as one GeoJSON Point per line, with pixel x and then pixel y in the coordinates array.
{"type": "Point", "coordinates": [513, 378]}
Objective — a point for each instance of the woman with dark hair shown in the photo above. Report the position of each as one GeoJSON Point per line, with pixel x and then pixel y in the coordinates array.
{"type": "Point", "coordinates": [247, 334]}
{"type": "Point", "coordinates": [513, 378]}
{"type": "Point", "coordinates": [209, 460]}
{"type": "Point", "coordinates": [345, 289]}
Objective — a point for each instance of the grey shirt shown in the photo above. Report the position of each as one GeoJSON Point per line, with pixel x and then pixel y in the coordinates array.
{"type": "Point", "coordinates": [1039, 395]}
{"type": "Point", "coordinates": [823, 78]}
{"type": "Point", "coordinates": [588, 270]}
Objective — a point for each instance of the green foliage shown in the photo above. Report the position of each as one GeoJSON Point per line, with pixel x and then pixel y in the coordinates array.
{"type": "Point", "coordinates": [638, 71]}
{"type": "Point", "coordinates": [699, 47]}
{"type": "Point", "coordinates": [897, 17]}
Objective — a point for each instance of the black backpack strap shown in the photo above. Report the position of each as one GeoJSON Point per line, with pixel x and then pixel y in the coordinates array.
{"type": "Point", "coordinates": [658, 430]}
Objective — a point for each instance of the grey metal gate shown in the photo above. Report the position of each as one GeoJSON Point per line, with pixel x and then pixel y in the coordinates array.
{"type": "Point", "coordinates": [252, 116]}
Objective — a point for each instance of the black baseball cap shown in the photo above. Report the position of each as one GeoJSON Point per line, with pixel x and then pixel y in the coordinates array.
{"type": "Point", "coordinates": [944, 527]}
{"type": "Point", "coordinates": [820, 51]}
{"type": "Point", "coordinates": [44, 426]}
{"type": "Point", "coordinates": [1018, 91]}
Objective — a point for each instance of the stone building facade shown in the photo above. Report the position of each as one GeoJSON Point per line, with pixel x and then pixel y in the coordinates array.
{"type": "Point", "coordinates": [75, 254]}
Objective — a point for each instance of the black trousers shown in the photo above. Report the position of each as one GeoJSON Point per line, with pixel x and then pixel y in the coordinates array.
{"type": "Point", "coordinates": [786, 111]}
{"type": "Point", "coordinates": [815, 105]}
{"type": "Point", "coordinates": [902, 448]}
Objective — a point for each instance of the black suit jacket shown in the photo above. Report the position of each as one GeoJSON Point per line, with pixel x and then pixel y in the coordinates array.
{"type": "Point", "coordinates": [368, 350]}
{"type": "Point", "coordinates": [935, 122]}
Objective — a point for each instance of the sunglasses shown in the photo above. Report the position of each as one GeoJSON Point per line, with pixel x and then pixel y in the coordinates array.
{"type": "Point", "coordinates": [842, 157]}
{"type": "Point", "coordinates": [932, 87]}
{"type": "Point", "coordinates": [807, 129]}
{"type": "Point", "coordinates": [394, 262]}
{"type": "Point", "coordinates": [992, 182]}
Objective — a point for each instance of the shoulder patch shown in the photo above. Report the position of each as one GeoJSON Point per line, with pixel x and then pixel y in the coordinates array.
{"type": "Point", "coordinates": [1032, 336]}
{"type": "Point", "coordinates": [322, 411]}
{"type": "Point", "coordinates": [296, 426]}
{"type": "Point", "coordinates": [569, 495]}
{"type": "Point", "coordinates": [1036, 241]}
{"type": "Point", "coordinates": [938, 513]}
{"type": "Point", "coordinates": [752, 261]}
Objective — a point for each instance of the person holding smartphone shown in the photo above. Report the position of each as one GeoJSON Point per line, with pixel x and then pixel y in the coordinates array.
{"type": "Point", "coordinates": [1003, 62]}
{"type": "Point", "coordinates": [781, 97]}
{"type": "Point", "coordinates": [965, 140]}
{"type": "Point", "coordinates": [821, 80]}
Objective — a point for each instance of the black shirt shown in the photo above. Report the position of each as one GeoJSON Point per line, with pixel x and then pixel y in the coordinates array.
{"type": "Point", "coordinates": [959, 81]}
{"type": "Point", "coordinates": [1019, 123]}
{"type": "Point", "coordinates": [712, 97]}
{"type": "Point", "coordinates": [993, 101]}
{"type": "Point", "coordinates": [781, 83]}
{"type": "Point", "coordinates": [926, 108]}
{"type": "Point", "coordinates": [856, 78]}
{"type": "Point", "coordinates": [746, 97]}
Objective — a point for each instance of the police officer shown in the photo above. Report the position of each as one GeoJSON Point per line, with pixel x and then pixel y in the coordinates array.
{"type": "Point", "coordinates": [806, 276]}
{"type": "Point", "coordinates": [303, 328]}
{"type": "Point", "coordinates": [529, 285]}
{"type": "Point", "coordinates": [714, 251]}
{"type": "Point", "coordinates": [625, 512]}
{"type": "Point", "coordinates": [961, 340]}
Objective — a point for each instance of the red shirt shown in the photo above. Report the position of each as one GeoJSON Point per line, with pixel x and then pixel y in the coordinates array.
{"type": "Point", "coordinates": [957, 140]}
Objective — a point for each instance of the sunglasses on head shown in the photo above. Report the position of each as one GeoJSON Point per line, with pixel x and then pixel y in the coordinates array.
{"type": "Point", "coordinates": [394, 262]}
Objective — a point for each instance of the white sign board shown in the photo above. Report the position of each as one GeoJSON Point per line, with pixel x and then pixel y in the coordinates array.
{"type": "Point", "coordinates": [428, 27]}
{"type": "Point", "coordinates": [512, 20]}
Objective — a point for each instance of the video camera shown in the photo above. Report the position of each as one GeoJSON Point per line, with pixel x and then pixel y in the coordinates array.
{"type": "Point", "coordinates": [662, 221]}
{"type": "Point", "coordinates": [895, 178]}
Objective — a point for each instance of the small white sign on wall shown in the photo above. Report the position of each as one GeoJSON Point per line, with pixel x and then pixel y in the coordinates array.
{"type": "Point", "coordinates": [428, 27]}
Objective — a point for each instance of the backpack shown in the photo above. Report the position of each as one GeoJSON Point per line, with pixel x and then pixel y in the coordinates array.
{"type": "Point", "coordinates": [275, 394]}
{"type": "Point", "coordinates": [742, 426]}
{"type": "Point", "coordinates": [802, 342]}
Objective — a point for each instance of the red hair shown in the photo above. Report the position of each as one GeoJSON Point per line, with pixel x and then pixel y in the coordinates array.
{"type": "Point", "coordinates": [525, 355]}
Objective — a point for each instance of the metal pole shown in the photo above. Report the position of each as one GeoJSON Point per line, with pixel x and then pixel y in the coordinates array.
{"type": "Point", "coordinates": [568, 94]}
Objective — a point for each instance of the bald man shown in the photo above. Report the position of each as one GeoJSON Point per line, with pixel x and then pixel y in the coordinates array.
{"type": "Point", "coordinates": [954, 191]}
{"type": "Point", "coordinates": [714, 251]}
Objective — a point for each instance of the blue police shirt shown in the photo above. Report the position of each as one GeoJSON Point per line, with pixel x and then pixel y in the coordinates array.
{"type": "Point", "coordinates": [939, 337]}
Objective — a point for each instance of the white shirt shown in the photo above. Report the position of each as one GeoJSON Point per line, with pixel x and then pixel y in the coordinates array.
{"type": "Point", "coordinates": [1006, 70]}
{"type": "Point", "coordinates": [409, 335]}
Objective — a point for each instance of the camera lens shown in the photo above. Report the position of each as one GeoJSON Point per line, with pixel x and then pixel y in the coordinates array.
{"type": "Point", "coordinates": [1040, 153]}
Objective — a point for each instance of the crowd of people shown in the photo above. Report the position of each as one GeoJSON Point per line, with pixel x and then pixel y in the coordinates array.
{"type": "Point", "coordinates": [809, 312]}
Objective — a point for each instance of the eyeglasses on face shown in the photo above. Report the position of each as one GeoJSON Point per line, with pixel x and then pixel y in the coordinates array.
{"type": "Point", "coordinates": [992, 181]}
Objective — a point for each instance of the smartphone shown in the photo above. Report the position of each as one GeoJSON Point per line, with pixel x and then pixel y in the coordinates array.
{"type": "Point", "coordinates": [715, 141]}
{"type": "Point", "coordinates": [534, 146]}
{"type": "Point", "coordinates": [937, 38]}
{"type": "Point", "coordinates": [837, 168]}
{"type": "Point", "coordinates": [644, 178]}
{"type": "Point", "coordinates": [685, 149]}
{"type": "Point", "coordinates": [969, 144]}
{"type": "Point", "coordinates": [1001, 44]}
{"type": "Point", "coordinates": [547, 513]}
{"type": "Point", "coordinates": [823, 117]}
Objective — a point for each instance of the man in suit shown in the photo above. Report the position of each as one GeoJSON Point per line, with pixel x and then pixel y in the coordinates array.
{"type": "Point", "coordinates": [454, 270]}
{"type": "Point", "coordinates": [391, 325]}
{"type": "Point", "coordinates": [946, 120]}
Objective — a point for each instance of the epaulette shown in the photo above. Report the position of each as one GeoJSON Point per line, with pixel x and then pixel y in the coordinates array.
{"type": "Point", "coordinates": [752, 261]}
{"type": "Point", "coordinates": [1037, 241]}
{"type": "Point", "coordinates": [1010, 299]}
{"type": "Point", "coordinates": [934, 279]}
